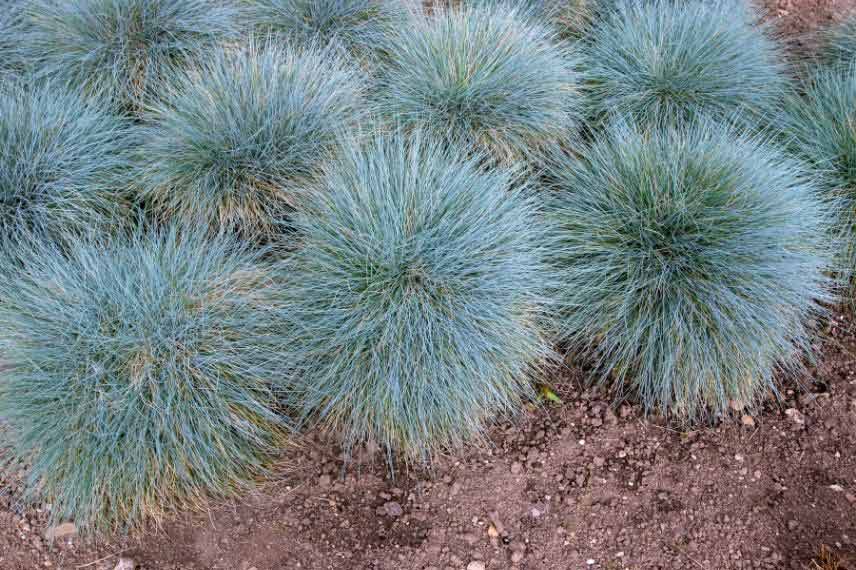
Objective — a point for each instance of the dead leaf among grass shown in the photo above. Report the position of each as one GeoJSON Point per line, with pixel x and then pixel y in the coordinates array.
{"type": "Point", "coordinates": [828, 559]}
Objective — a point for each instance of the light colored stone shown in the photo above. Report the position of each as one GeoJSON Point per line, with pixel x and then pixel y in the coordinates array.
{"type": "Point", "coordinates": [61, 531]}
{"type": "Point", "coordinates": [125, 564]}
{"type": "Point", "coordinates": [476, 565]}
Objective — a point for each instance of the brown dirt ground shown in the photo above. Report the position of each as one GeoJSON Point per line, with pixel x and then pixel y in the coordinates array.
{"type": "Point", "coordinates": [574, 486]}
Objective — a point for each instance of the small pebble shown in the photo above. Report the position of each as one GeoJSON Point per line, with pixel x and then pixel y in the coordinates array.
{"type": "Point", "coordinates": [476, 565]}
{"type": "Point", "coordinates": [393, 509]}
{"type": "Point", "coordinates": [60, 531]}
{"type": "Point", "coordinates": [125, 564]}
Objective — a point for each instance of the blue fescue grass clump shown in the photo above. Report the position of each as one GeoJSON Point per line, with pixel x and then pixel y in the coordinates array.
{"type": "Point", "coordinates": [487, 76]}
{"type": "Point", "coordinates": [820, 126]}
{"type": "Point", "coordinates": [137, 373]}
{"type": "Point", "coordinates": [838, 47]}
{"type": "Point", "coordinates": [690, 262]}
{"type": "Point", "coordinates": [64, 162]}
{"type": "Point", "coordinates": [664, 61]}
{"type": "Point", "coordinates": [361, 27]}
{"type": "Point", "coordinates": [234, 138]}
{"type": "Point", "coordinates": [416, 301]}
{"type": "Point", "coordinates": [120, 49]}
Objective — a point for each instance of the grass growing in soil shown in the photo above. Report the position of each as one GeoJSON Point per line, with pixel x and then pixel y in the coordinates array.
{"type": "Point", "coordinates": [690, 262]}
{"type": "Point", "coordinates": [64, 162]}
{"type": "Point", "coordinates": [571, 18]}
{"type": "Point", "coordinates": [362, 27]}
{"type": "Point", "coordinates": [236, 136]}
{"type": "Point", "coordinates": [488, 77]}
{"type": "Point", "coordinates": [121, 49]}
{"type": "Point", "coordinates": [416, 300]}
{"type": "Point", "coordinates": [839, 46]}
{"type": "Point", "coordinates": [136, 374]}
{"type": "Point", "coordinates": [664, 61]}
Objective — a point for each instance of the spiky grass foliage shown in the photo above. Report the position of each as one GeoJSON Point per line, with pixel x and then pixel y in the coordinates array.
{"type": "Point", "coordinates": [120, 49]}
{"type": "Point", "coordinates": [570, 17]}
{"type": "Point", "coordinates": [137, 373]}
{"type": "Point", "coordinates": [362, 27]}
{"type": "Point", "coordinates": [11, 66]}
{"type": "Point", "coordinates": [821, 127]}
{"type": "Point", "coordinates": [690, 261]}
{"type": "Point", "coordinates": [487, 76]}
{"type": "Point", "coordinates": [64, 162]}
{"type": "Point", "coordinates": [666, 61]}
{"type": "Point", "coordinates": [838, 47]}
{"type": "Point", "coordinates": [234, 138]}
{"type": "Point", "coordinates": [417, 297]}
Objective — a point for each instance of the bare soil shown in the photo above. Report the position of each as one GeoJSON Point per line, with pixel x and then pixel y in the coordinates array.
{"type": "Point", "coordinates": [572, 486]}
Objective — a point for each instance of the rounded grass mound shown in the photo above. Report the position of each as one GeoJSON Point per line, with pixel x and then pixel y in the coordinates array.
{"type": "Point", "coordinates": [121, 49]}
{"type": "Point", "coordinates": [488, 77]}
{"type": "Point", "coordinates": [664, 62]}
{"type": "Point", "coordinates": [821, 128]}
{"type": "Point", "coordinates": [137, 374]}
{"type": "Point", "coordinates": [64, 162]}
{"type": "Point", "coordinates": [416, 300]}
{"type": "Point", "coordinates": [235, 137]}
{"type": "Point", "coordinates": [362, 27]}
{"type": "Point", "coordinates": [690, 263]}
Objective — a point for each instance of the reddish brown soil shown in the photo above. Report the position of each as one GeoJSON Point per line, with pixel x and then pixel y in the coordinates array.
{"type": "Point", "coordinates": [574, 486]}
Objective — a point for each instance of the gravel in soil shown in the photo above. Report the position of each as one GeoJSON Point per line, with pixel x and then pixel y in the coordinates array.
{"type": "Point", "coordinates": [576, 486]}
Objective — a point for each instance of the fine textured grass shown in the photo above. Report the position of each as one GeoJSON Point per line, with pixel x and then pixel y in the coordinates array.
{"type": "Point", "coordinates": [690, 261]}
{"type": "Point", "coordinates": [11, 66]}
{"type": "Point", "coordinates": [664, 61]}
{"type": "Point", "coordinates": [120, 49]}
{"type": "Point", "coordinates": [235, 137]}
{"type": "Point", "coordinates": [488, 76]}
{"type": "Point", "coordinates": [838, 47]}
{"type": "Point", "coordinates": [570, 17]}
{"type": "Point", "coordinates": [362, 27]}
{"type": "Point", "coordinates": [416, 301]}
{"type": "Point", "coordinates": [820, 125]}
{"type": "Point", "coordinates": [64, 162]}
{"type": "Point", "coordinates": [136, 374]}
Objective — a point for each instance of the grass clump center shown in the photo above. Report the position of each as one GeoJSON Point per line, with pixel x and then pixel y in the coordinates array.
{"type": "Point", "coordinates": [691, 261]}
{"type": "Point", "coordinates": [417, 297]}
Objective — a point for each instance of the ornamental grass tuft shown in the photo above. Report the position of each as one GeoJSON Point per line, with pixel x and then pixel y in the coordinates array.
{"type": "Point", "coordinates": [490, 77]}
{"type": "Point", "coordinates": [691, 262]}
{"type": "Point", "coordinates": [137, 374]}
{"type": "Point", "coordinates": [234, 138]}
{"type": "Point", "coordinates": [120, 49]}
{"type": "Point", "coordinates": [665, 62]}
{"type": "Point", "coordinates": [64, 162]}
{"type": "Point", "coordinates": [361, 27]}
{"type": "Point", "coordinates": [820, 125]}
{"type": "Point", "coordinates": [416, 302]}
